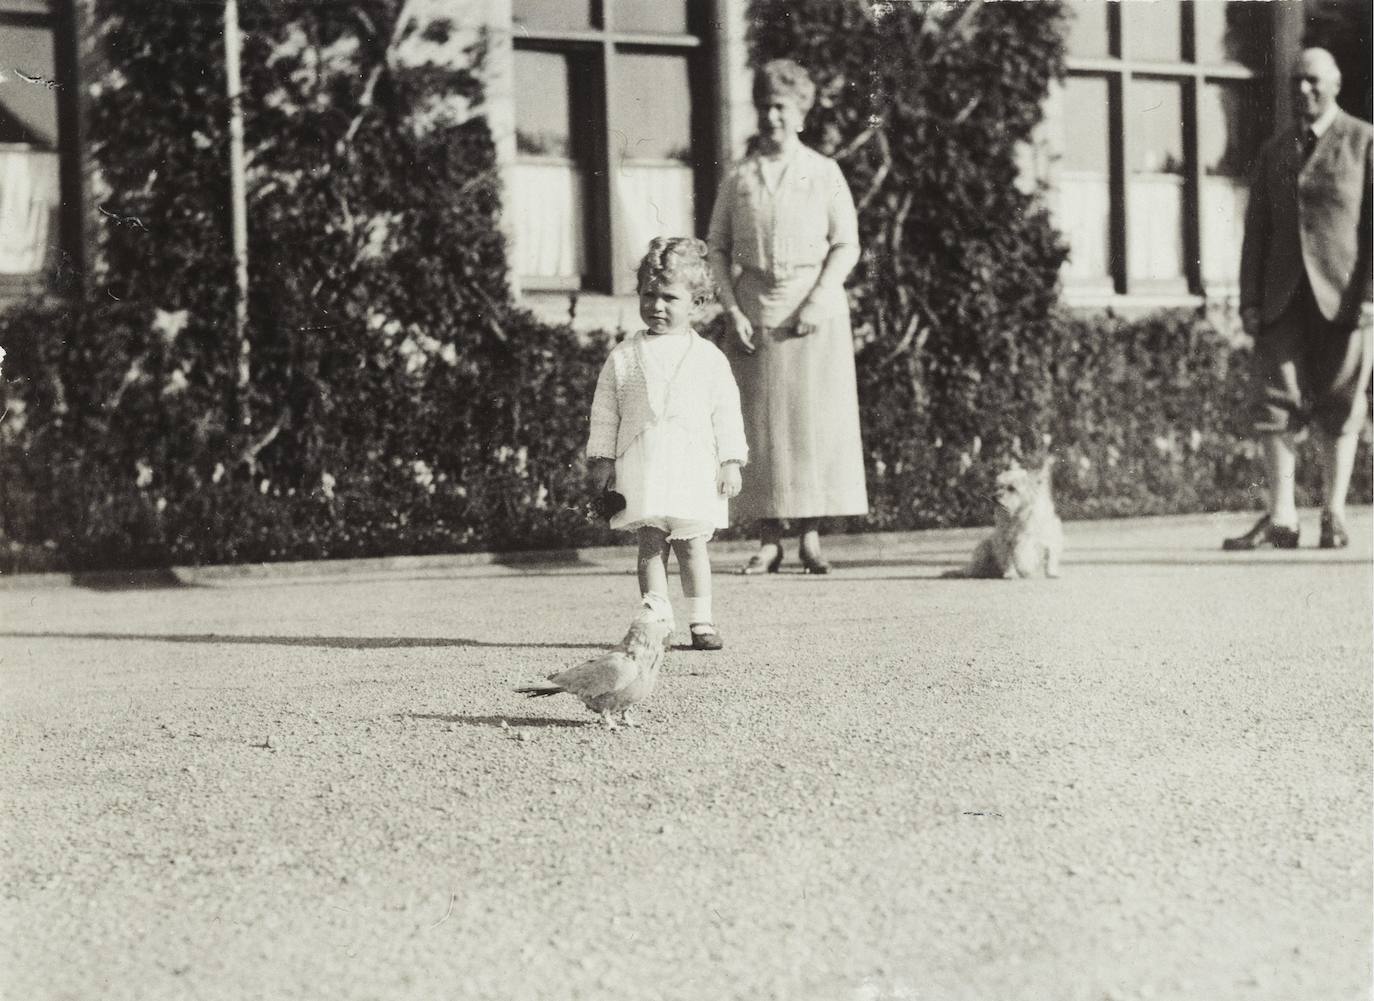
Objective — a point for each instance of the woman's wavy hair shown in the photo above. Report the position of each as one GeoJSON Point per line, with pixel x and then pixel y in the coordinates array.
{"type": "Point", "coordinates": [677, 259]}
{"type": "Point", "coordinates": [784, 78]}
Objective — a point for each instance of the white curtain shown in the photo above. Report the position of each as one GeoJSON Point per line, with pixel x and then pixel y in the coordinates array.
{"type": "Point", "coordinates": [1223, 224]}
{"type": "Point", "coordinates": [548, 202]}
{"type": "Point", "coordinates": [1081, 203]}
{"type": "Point", "coordinates": [28, 201]}
{"type": "Point", "coordinates": [1154, 220]}
{"type": "Point", "coordinates": [655, 199]}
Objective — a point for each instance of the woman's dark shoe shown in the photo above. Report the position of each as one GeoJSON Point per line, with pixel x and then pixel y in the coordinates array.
{"type": "Point", "coordinates": [1263, 534]}
{"type": "Point", "coordinates": [758, 563]}
{"type": "Point", "coordinates": [814, 564]}
{"type": "Point", "coordinates": [705, 636]}
{"type": "Point", "coordinates": [1333, 532]}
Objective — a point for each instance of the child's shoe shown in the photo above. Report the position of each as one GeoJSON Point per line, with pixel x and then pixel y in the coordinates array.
{"type": "Point", "coordinates": [705, 636]}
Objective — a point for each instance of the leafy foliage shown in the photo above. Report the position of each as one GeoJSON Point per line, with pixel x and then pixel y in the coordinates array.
{"type": "Point", "coordinates": [924, 105]}
{"type": "Point", "coordinates": [394, 401]}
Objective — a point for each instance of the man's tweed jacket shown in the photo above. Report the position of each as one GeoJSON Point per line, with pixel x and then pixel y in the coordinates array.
{"type": "Point", "coordinates": [1312, 217]}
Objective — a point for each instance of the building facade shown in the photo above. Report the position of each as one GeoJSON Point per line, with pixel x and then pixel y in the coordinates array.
{"type": "Point", "coordinates": [613, 120]}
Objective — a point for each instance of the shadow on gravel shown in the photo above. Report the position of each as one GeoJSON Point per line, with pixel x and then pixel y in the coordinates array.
{"type": "Point", "coordinates": [554, 559]}
{"type": "Point", "coordinates": [1184, 560]}
{"type": "Point", "coordinates": [326, 642]}
{"type": "Point", "coordinates": [497, 721]}
{"type": "Point", "coordinates": [130, 580]}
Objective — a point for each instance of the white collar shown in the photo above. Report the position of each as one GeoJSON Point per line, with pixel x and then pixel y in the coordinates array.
{"type": "Point", "coordinates": [1319, 127]}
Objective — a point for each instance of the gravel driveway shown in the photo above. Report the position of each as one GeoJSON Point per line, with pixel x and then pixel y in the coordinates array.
{"type": "Point", "coordinates": [1149, 779]}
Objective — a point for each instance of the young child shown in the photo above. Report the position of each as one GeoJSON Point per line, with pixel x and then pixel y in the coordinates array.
{"type": "Point", "coordinates": [666, 427]}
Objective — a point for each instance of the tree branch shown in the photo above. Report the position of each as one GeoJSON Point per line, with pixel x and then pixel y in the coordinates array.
{"type": "Point", "coordinates": [398, 31]}
{"type": "Point", "coordinates": [249, 455]}
{"type": "Point", "coordinates": [854, 144]}
{"type": "Point", "coordinates": [879, 175]}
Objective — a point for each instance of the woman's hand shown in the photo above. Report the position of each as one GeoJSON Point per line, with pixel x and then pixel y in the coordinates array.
{"type": "Point", "coordinates": [743, 329]}
{"type": "Point", "coordinates": [810, 317]}
{"type": "Point", "coordinates": [728, 479]}
{"type": "Point", "coordinates": [602, 472]}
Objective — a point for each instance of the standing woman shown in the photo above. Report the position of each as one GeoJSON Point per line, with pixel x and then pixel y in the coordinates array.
{"type": "Point", "coordinates": [784, 234]}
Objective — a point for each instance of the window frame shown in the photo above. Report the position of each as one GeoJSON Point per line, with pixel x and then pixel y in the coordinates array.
{"type": "Point", "coordinates": [67, 262]}
{"type": "Point", "coordinates": [1192, 76]}
{"type": "Point", "coordinates": [600, 45]}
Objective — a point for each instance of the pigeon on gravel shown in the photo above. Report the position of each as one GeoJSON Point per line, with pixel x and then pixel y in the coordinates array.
{"type": "Point", "coordinates": [620, 679]}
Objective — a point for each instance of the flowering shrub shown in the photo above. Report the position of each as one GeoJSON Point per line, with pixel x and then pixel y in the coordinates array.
{"type": "Point", "coordinates": [392, 401]}
{"type": "Point", "coordinates": [131, 464]}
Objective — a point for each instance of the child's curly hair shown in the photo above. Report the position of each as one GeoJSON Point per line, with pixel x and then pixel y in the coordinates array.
{"type": "Point", "coordinates": [677, 259]}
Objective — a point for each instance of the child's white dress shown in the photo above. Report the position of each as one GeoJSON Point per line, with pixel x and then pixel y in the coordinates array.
{"type": "Point", "coordinates": [667, 410]}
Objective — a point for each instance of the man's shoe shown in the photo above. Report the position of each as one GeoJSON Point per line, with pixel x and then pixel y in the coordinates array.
{"type": "Point", "coordinates": [1263, 534]}
{"type": "Point", "coordinates": [1333, 532]}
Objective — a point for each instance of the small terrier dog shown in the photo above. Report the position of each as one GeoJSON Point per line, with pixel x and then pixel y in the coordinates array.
{"type": "Point", "coordinates": [1029, 537]}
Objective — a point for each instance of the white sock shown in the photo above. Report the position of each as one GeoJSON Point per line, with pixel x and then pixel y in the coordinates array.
{"type": "Point", "coordinates": [699, 609]}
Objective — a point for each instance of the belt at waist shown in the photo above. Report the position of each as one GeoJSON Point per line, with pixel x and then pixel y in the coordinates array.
{"type": "Point", "coordinates": [780, 272]}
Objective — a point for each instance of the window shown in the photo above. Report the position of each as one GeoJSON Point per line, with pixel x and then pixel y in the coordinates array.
{"type": "Point", "coordinates": [1155, 129]}
{"type": "Point", "coordinates": [29, 190]}
{"type": "Point", "coordinates": [608, 137]}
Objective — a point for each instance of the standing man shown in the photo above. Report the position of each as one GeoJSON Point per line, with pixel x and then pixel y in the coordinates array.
{"type": "Point", "coordinates": [1305, 278]}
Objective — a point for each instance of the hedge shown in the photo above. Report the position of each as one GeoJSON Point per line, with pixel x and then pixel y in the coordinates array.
{"type": "Point", "coordinates": [398, 403]}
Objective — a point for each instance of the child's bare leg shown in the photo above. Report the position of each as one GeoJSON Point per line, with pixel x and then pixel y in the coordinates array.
{"type": "Point", "coordinates": [653, 561]}
{"type": "Point", "coordinates": [694, 563]}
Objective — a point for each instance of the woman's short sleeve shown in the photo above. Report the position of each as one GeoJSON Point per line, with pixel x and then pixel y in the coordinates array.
{"type": "Point", "coordinates": [843, 227]}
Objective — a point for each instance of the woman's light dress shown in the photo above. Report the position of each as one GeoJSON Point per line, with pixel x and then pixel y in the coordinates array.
{"type": "Point", "coordinates": [776, 223]}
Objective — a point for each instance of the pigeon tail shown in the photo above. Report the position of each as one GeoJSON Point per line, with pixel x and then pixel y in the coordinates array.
{"type": "Point", "coordinates": [539, 691]}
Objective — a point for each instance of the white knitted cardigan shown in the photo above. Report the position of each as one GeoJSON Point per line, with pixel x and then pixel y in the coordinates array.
{"type": "Point", "coordinates": [702, 395]}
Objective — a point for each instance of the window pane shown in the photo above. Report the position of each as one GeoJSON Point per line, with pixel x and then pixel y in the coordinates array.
{"type": "Point", "coordinates": [649, 15]}
{"type": "Point", "coordinates": [1153, 30]}
{"type": "Point", "coordinates": [28, 111]}
{"type": "Point", "coordinates": [1087, 129]}
{"type": "Point", "coordinates": [651, 102]}
{"type": "Point", "coordinates": [552, 14]}
{"type": "Point", "coordinates": [28, 209]}
{"type": "Point", "coordinates": [1223, 226]}
{"type": "Point", "coordinates": [1154, 127]}
{"type": "Point", "coordinates": [548, 206]}
{"type": "Point", "coordinates": [548, 202]}
{"type": "Point", "coordinates": [1231, 32]}
{"type": "Point", "coordinates": [1081, 198]}
{"type": "Point", "coordinates": [29, 193]}
{"type": "Point", "coordinates": [1229, 122]}
{"type": "Point", "coordinates": [543, 119]}
{"type": "Point", "coordinates": [1155, 165]}
{"type": "Point", "coordinates": [1087, 23]}
{"type": "Point", "coordinates": [651, 116]}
